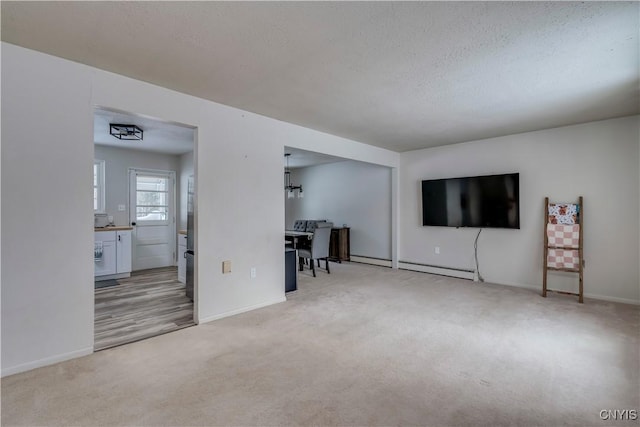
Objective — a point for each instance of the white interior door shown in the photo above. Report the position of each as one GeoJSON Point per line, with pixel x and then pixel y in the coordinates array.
{"type": "Point", "coordinates": [152, 211]}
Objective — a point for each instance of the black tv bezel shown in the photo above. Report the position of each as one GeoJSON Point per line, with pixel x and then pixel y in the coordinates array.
{"type": "Point", "coordinates": [517, 227]}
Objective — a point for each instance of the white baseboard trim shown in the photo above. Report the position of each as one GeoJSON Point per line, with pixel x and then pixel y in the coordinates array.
{"type": "Point", "coordinates": [240, 310]}
{"type": "Point", "coordinates": [372, 261]}
{"type": "Point", "coordinates": [45, 362]}
{"type": "Point", "coordinates": [434, 269]}
{"type": "Point", "coordinates": [538, 289]}
{"type": "Point", "coordinates": [112, 276]}
{"type": "Point", "coordinates": [612, 299]}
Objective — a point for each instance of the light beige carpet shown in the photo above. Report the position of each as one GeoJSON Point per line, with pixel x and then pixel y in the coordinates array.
{"type": "Point", "coordinates": [362, 346]}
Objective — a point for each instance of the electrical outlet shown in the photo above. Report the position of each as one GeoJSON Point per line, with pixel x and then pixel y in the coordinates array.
{"type": "Point", "coordinates": [253, 272]}
{"type": "Point", "coordinates": [121, 208]}
{"type": "Point", "coordinates": [226, 267]}
{"type": "Point", "coordinates": [437, 250]}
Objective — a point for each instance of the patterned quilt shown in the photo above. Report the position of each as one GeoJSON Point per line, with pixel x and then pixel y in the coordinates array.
{"type": "Point", "coordinates": [563, 213]}
{"type": "Point", "coordinates": [567, 236]}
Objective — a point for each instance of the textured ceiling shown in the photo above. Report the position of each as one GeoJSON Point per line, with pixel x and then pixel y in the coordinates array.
{"type": "Point", "coordinates": [400, 75]}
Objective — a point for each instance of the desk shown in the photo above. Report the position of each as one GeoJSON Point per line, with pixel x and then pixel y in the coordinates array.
{"type": "Point", "coordinates": [295, 236]}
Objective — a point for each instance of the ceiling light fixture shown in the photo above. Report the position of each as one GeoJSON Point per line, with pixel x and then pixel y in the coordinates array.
{"type": "Point", "coordinates": [127, 132]}
{"type": "Point", "coordinates": [290, 188]}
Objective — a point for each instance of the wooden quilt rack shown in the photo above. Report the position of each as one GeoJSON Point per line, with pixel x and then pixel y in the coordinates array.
{"type": "Point", "coordinates": [563, 250]}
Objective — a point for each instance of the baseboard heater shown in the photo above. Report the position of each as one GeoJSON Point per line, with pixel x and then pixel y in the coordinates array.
{"type": "Point", "coordinates": [370, 260]}
{"type": "Point", "coordinates": [461, 273]}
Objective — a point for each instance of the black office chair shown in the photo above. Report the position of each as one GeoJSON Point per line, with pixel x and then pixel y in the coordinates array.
{"type": "Point", "coordinates": [319, 248]}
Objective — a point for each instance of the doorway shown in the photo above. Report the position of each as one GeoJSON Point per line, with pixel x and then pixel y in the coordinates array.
{"type": "Point", "coordinates": [143, 192]}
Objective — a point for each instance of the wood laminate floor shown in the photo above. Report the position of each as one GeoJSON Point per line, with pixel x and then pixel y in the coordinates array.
{"type": "Point", "coordinates": [149, 303]}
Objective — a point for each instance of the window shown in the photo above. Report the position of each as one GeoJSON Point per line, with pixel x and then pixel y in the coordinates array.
{"type": "Point", "coordinates": [152, 198]}
{"type": "Point", "coordinates": [98, 186]}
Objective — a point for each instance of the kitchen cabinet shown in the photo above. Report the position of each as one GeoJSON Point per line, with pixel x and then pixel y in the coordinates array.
{"type": "Point", "coordinates": [106, 264]}
{"type": "Point", "coordinates": [123, 251]}
{"type": "Point", "coordinates": [115, 262]}
{"type": "Point", "coordinates": [182, 259]}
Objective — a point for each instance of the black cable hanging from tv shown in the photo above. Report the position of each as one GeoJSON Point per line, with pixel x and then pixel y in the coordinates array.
{"type": "Point", "coordinates": [475, 249]}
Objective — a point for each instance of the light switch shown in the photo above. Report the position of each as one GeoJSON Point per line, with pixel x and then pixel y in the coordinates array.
{"type": "Point", "coordinates": [121, 208]}
{"type": "Point", "coordinates": [226, 267]}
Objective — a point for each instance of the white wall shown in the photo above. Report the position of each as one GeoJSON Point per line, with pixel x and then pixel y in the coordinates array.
{"type": "Point", "coordinates": [186, 170]}
{"type": "Point", "coordinates": [47, 212]}
{"type": "Point", "coordinates": [117, 164]}
{"type": "Point", "coordinates": [47, 227]}
{"type": "Point", "coordinates": [597, 160]}
{"type": "Point", "coordinates": [354, 193]}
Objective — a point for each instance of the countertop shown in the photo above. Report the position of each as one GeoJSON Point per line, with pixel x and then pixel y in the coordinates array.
{"type": "Point", "coordinates": [113, 228]}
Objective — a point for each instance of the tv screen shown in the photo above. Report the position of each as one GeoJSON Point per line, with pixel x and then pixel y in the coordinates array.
{"type": "Point", "coordinates": [491, 201]}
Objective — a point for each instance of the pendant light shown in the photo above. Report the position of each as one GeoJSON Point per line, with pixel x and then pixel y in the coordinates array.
{"type": "Point", "coordinates": [289, 187]}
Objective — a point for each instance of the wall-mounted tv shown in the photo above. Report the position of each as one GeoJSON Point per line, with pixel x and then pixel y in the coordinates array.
{"type": "Point", "coordinates": [490, 201]}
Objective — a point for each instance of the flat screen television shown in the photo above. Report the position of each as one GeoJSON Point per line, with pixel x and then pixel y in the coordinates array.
{"type": "Point", "coordinates": [490, 201]}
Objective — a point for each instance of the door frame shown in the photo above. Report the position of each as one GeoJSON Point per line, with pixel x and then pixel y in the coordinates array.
{"type": "Point", "coordinates": [194, 153]}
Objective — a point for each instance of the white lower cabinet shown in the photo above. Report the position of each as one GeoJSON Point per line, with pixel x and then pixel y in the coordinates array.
{"type": "Point", "coordinates": [115, 261]}
{"type": "Point", "coordinates": [123, 251]}
{"type": "Point", "coordinates": [106, 263]}
{"type": "Point", "coordinates": [182, 260]}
